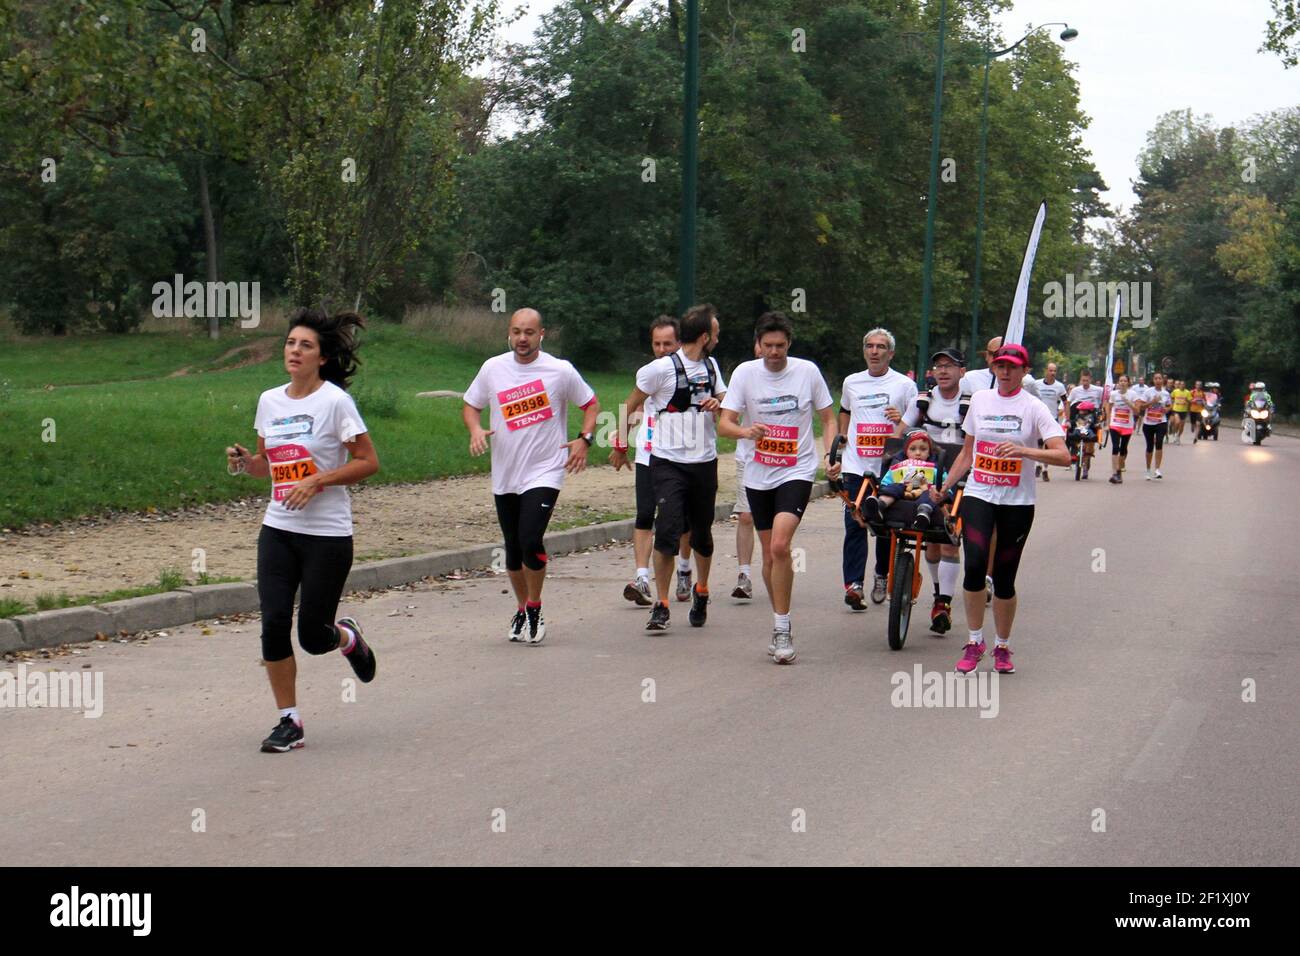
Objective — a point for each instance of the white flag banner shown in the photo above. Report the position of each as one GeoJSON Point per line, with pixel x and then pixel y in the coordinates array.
{"type": "Point", "coordinates": [1015, 334]}
{"type": "Point", "coordinates": [1110, 349]}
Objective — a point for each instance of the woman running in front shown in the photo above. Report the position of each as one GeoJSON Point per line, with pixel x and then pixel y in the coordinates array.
{"type": "Point", "coordinates": [311, 442]}
{"type": "Point", "coordinates": [1121, 405]}
{"type": "Point", "coordinates": [1003, 427]}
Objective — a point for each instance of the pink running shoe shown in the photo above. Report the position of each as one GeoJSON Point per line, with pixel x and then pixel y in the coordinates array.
{"type": "Point", "coordinates": [1002, 660]}
{"type": "Point", "coordinates": [971, 658]}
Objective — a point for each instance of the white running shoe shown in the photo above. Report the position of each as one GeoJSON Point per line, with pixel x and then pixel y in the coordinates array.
{"type": "Point", "coordinates": [783, 647]}
{"type": "Point", "coordinates": [1148, 475]}
{"type": "Point", "coordinates": [1158, 475]}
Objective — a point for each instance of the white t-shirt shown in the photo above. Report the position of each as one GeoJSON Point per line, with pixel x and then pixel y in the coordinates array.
{"type": "Point", "coordinates": [1092, 394]}
{"type": "Point", "coordinates": [783, 401]}
{"type": "Point", "coordinates": [981, 378]}
{"type": "Point", "coordinates": [690, 436]}
{"type": "Point", "coordinates": [305, 436]}
{"type": "Point", "coordinates": [1157, 410]}
{"type": "Point", "coordinates": [1122, 415]}
{"type": "Point", "coordinates": [993, 418]}
{"type": "Point", "coordinates": [945, 411]}
{"type": "Point", "coordinates": [865, 397]}
{"type": "Point", "coordinates": [529, 409]}
{"type": "Point", "coordinates": [1051, 395]}
{"type": "Point", "coordinates": [645, 432]}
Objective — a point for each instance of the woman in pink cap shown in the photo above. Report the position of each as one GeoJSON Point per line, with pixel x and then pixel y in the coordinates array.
{"type": "Point", "coordinates": [1003, 427]}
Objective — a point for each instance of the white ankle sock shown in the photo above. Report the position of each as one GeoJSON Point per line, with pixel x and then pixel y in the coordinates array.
{"type": "Point", "coordinates": [976, 636]}
{"type": "Point", "coordinates": [781, 622]}
{"type": "Point", "coordinates": [683, 564]}
{"type": "Point", "coordinates": [744, 569]}
{"type": "Point", "coordinates": [643, 574]}
{"type": "Point", "coordinates": [1001, 641]}
{"type": "Point", "coordinates": [291, 713]}
{"type": "Point", "coordinates": [347, 639]}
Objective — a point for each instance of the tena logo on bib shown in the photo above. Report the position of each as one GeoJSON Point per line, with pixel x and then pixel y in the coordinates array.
{"type": "Point", "coordinates": [525, 405]}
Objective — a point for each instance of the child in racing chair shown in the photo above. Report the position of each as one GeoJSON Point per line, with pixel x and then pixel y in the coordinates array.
{"type": "Point", "coordinates": [910, 475]}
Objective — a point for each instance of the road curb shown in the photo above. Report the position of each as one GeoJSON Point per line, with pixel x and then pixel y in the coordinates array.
{"type": "Point", "coordinates": [185, 605]}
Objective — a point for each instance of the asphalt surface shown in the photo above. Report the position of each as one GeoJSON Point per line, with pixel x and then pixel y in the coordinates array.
{"type": "Point", "coordinates": [470, 750]}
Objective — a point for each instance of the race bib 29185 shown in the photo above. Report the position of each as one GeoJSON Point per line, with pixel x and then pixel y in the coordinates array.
{"type": "Point", "coordinates": [992, 470]}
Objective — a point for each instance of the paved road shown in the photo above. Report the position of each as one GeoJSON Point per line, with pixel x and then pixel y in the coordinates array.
{"type": "Point", "coordinates": [1128, 701]}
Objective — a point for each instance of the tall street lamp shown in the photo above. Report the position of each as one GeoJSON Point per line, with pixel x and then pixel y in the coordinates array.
{"type": "Point", "coordinates": [927, 266]}
{"type": "Point", "coordinates": [1068, 34]}
{"type": "Point", "coordinates": [690, 136]}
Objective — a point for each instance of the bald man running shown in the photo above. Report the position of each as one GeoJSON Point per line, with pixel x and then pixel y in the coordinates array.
{"type": "Point", "coordinates": [528, 393]}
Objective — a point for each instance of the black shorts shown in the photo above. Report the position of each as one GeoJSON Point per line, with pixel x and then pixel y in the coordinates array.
{"type": "Point", "coordinates": [790, 497]}
{"type": "Point", "coordinates": [685, 500]}
{"type": "Point", "coordinates": [645, 499]}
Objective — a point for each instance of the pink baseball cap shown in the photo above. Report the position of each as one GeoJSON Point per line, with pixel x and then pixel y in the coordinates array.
{"type": "Point", "coordinates": [1015, 354]}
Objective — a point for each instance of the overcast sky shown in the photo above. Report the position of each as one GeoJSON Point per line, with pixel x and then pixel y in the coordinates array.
{"type": "Point", "coordinates": [1138, 59]}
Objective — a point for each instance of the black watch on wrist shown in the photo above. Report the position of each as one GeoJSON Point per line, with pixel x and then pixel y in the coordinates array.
{"type": "Point", "coordinates": [588, 437]}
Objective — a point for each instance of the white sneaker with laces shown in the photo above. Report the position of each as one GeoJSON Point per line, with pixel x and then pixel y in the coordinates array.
{"type": "Point", "coordinates": [783, 647]}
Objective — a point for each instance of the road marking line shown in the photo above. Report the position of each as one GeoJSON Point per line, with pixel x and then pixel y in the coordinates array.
{"type": "Point", "coordinates": [1164, 750]}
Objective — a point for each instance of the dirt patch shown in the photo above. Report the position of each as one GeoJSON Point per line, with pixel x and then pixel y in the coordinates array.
{"type": "Point", "coordinates": [250, 353]}
{"type": "Point", "coordinates": [97, 555]}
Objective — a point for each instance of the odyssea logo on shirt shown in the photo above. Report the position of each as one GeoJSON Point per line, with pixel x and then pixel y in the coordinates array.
{"type": "Point", "coordinates": [873, 401]}
{"type": "Point", "coordinates": [82, 691]}
{"type": "Point", "coordinates": [1001, 424]}
{"type": "Point", "coordinates": [779, 405]}
{"type": "Point", "coordinates": [77, 909]}
{"type": "Point", "coordinates": [922, 688]}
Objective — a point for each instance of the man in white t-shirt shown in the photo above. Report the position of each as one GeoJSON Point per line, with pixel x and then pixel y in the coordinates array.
{"type": "Point", "coordinates": [779, 396]}
{"type": "Point", "coordinates": [980, 378]}
{"type": "Point", "coordinates": [871, 410]}
{"type": "Point", "coordinates": [528, 393]}
{"type": "Point", "coordinates": [665, 338]}
{"type": "Point", "coordinates": [1085, 391]}
{"type": "Point", "coordinates": [1051, 393]}
{"type": "Point", "coordinates": [940, 411]}
{"type": "Point", "coordinates": [686, 389]}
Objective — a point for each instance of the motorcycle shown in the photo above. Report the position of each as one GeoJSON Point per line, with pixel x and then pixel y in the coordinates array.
{"type": "Point", "coordinates": [1209, 426]}
{"type": "Point", "coordinates": [1082, 431]}
{"type": "Point", "coordinates": [1256, 423]}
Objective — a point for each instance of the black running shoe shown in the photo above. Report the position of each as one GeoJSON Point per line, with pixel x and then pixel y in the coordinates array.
{"type": "Point", "coordinates": [699, 611]}
{"type": "Point", "coordinates": [921, 522]}
{"type": "Point", "coordinates": [286, 736]}
{"type": "Point", "coordinates": [871, 508]}
{"type": "Point", "coordinates": [361, 657]}
{"type": "Point", "coordinates": [518, 624]}
{"type": "Point", "coordinates": [658, 618]}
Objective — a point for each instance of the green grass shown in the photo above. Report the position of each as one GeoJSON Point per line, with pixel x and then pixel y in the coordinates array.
{"type": "Point", "coordinates": [91, 359]}
{"type": "Point", "coordinates": [169, 580]}
{"type": "Point", "coordinates": [132, 445]}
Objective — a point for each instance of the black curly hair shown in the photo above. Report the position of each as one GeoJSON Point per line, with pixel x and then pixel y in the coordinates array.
{"type": "Point", "coordinates": [338, 341]}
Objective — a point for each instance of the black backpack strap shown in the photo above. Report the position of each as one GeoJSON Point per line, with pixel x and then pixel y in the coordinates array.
{"type": "Point", "coordinates": [681, 398]}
